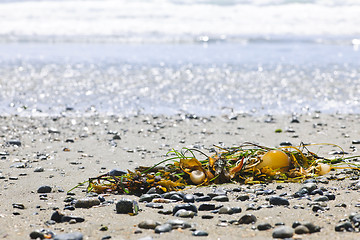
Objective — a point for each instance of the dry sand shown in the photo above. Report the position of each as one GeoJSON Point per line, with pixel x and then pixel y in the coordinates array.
{"type": "Point", "coordinates": [144, 141]}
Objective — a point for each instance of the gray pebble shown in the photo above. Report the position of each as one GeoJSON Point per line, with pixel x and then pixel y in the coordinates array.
{"type": "Point", "coordinates": [301, 229]}
{"type": "Point", "coordinates": [275, 200]}
{"type": "Point", "coordinates": [154, 205]}
{"type": "Point", "coordinates": [148, 224]}
{"type": "Point", "coordinates": [344, 226]}
{"type": "Point", "coordinates": [203, 198]}
{"type": "Point", "coordinates": [247, 219]}
{"type": "Point", "coordinates": [283, 232]}
{"type": "Point", "coordinates": [321, 199]}
{"type": "Point", "coordinates": [207, 207]}
{"type": "Point", "coordinates": [226, 210]}
{"type": "Point", "coordinates": [39, 169]}
{"type": "Point", "coordinates": [163, 228]}
{"type": "Point", "coordinates": [117, 172]}
{"type": "Point", "coordinates": [177, 223]}
{"type": "Point", "coordinates": [14, 142]}
{"type": "Point", "coordinates": [184, 213]}
{"type": "Point", "coordinates": [243, 197]}
{"type": "Point", "coordinates": [264, 226]}
{"type": "Point", "coordinates": [148, 197]}
{"type": "Point", "coordinates": [44, 189]}
{"type": "Point", "coordinates": [221, 198]}
{"type": "Point", "coordinates": [165, 211]}
{"type": "Point", "coordinates": [312, 227]}
{"type": "Point", "coordinates": [124, 206]}
{"type": "Point", "coordinates": [87, 202]}
{"type": "Point", "coordinates": [189, 198]}
{"type": "Point", "coordinates": [69, 236]}
{"type": "Point", "coordinates": [72, 218]}
{"type": "Point", "coordinates": [186, 206]}
{"type": "Point", "coordinates": [200, 233]}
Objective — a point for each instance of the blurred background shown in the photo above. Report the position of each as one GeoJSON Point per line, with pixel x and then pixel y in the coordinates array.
{"type": "Point", "coordinates": [179, 56]}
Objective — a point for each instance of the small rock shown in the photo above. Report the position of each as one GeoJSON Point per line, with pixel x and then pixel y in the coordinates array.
{"type": "Point", "coordinates": [163, 228]}
{"type": "Point", "coordinates": [186, 206]}
{"type": "Point", "coordinates": [148, 197]}
{"type": "Point", "coordinates": [57, 216]}
{"type": "Point", "coordinates": [177, 223]}
{"type": "Point", "coordinates": [285, 144]}
{"type": "Point", "coordinates": [165, 212]}
{"type": "Point", "coordinates": [207, 207]}
{"type": "Point", "coordinates": [154, 205]}
{"type": "Point", "coordinates": [207, 216]}
{"type": "Point", "coordinates": [69, 236]}
{"type": "Point", "coordinates": [301, 229]}
{"type": "Point", "coordinates": [40, 234]}
{"type": "Point", "coordinates": [18, 205]}
{"type": "Point", "coordinates": [264, 226]}
{"type": "Point", "coordinates": [44, 189]}
{"type": "Point", "coordinates": [14, 142]}
{"type": "Point", "coordinates": [189, 198]}
{"type": "Point", "coordinates": [221, 198]}
{"type": "Point", "coordinates": [247, 219]}
{"type": "Point", "coordinates": [345, 226]}
{"type": "Point", "coordinates": [321, 199]}
{"type": "Point", "coordinates": [226, 210]}
{"type": "Point", "coordinates": [203, 198]}
{"type": "Point", "coordinates": [74, 219]}
{"type": "Point", "coordinates": [355, 142]}
{"type": "Point", "coordinates": [243, 197]}
{"type": "Point", "coordinates": [275, 200]}
{"type": "Point", "coordinates": [283, 232]}
{"type": "Point", "coordinates": [184, 213]}
{"type": "Point", "coordinates": [116, 172]}
{"type": "Point", "coordinates": [200, 233]}
{"type": "Point", "coordinates": [148, 224]}
{"type": "Point", "coordinates": [87, 202]}
{"type": "Point", "coordinates": [312, 227]}
{"type": "Point", "coordinates": [125, 206]}
{"type": "Point", "coordinates": [39, 169]}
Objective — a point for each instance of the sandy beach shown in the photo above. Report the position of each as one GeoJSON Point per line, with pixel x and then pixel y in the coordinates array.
{"type": "Point", "coordinates": [61, 152]}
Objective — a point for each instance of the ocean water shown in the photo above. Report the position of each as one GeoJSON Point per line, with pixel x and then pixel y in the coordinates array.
{"type": "Point", "coordinates": [205, 57]}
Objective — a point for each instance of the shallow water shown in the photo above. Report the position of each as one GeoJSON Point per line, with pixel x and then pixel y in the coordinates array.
{"type": "Point", "coordinates": [201, 57]}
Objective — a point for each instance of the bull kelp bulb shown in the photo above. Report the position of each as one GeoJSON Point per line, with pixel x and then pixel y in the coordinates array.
{"type": "Point", "coordinates": [275, 159]}
{"type": "Point", "coordinates": [324, 169]}
{"type": "Point", "coordinates": [197, 177]}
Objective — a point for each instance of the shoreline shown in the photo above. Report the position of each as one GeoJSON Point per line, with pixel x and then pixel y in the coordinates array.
{"type": "Point", "coordinates": [70, 150]}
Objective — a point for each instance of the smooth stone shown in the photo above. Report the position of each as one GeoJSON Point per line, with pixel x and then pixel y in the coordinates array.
{"type": "Point", "coordinates": [178, 223]}
{"type": "Point", "coordinates": [184, 213]}
{"type": "Point", "coordinates": [39, 169]}
{"type": "Point", "coordinates": [186, 206]}
{"type": "Point", "coordinates": [207, 216]}
{"type": "Point", "coordinates": [221, 198]}
{"type": "Point", "coordinates": [18, 165]}
{"type": "Point", "coordinates": [345, 226]}
{"type": "Point", "coordinates": [247, 219]}
{"type": "Point", "coordinates": [286, 144]}
{"type": "Point", "coordinates": [355, 141]}
{"type": "Point", "coordinates": [321, 199]}
{"type": "Point", "coordinates": [163, 228]}
{"type": "Point", "coordinates": [225, 210]}
{"type": "Point", "coordinates": [189, 198]}
{"type": "Point", "coordinates": [148, 197]}
{"type": "Point", "coordinates": [301, 229]}
{"type": "Point", "coordinates": [70, 218]}
{"type": "Point", "coordinates": [148, 224]}
{"type": "Point", "coordinates": [312, 227]}
{"type": "Point", "coordinates": [18, 205]}
{"type": "Point", "coordinates": [44, 189]}
{"type": "Point", "coordinates": [57, 216]}
{"type": "Point", "coordinates": [116, 172]}
{"type": "Point", "coordinates": [355, 219]}
{"type": "Point", "coordinates": [275, 200]}
{"type": "Point", "coordinates": [40, 234]}
{"type": "Point", "coordinates": [87, 202]}
{"type": "Point", "coordinates": [264, 226]}
{"type": "Point", "coordinates": [236, 209]}
{"type": "Point", "coordinates": [14, 142]}
{"type": "Point", "coordinates": [317, 208]}
{"type": "Point", "coordinates": [165, 212]}
{"type": "Point", "coordinates": [200, 233]}
{"type": "Point", "coordinates": [207, 207]}
{"type": "Point", "coordinates": [283, 232]}
{"type": "Point", "coordinates": [330, 196]}
{"type": "Point", "coordinates": [69, 236]}
{"type": "Point", "coordinates": [176, 197]}
{"type": "Point", "coordinates": [205, 198]}
{"type": "Point", "coordinates": [295, 224]}
{"type": "Point", "coordinates": [154, 205]}
{"type": "Point", "coordinates": [310, 186]}
{"type": "Point", "coordinates": [243, 198]}
{"type": "Point", "coordinates": [124, 206]}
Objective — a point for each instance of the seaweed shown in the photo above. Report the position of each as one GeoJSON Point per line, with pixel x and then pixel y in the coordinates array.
{"type": "Point", "coordinates": [245, 164]}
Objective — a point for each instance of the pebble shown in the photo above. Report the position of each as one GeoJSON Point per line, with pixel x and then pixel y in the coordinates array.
{"type": "Point", "coordinates": [275, 200]}
{"type": "Point", "coordinates": [186, 206]}
{"type": "Point", "coordinates": [18, 205]}
{"type": "Point", "coordinates": [87, 202]}
{"type": "Point", "coordinates": [177, 223]}
{"type": "Point", "coordinates": [39, 169]}
{"type": "Point", "coordinates": [200, 233]}
{"type": "Point", "coordinates": [283, 232]}
{"type": "Point", "coordinates": [203, 198]}
{"type": "Point", "coordinates": [247, 219]}
{"type": "Point", "coordinates": [184, 213]}
{"type": "Point", "coordinates": [14, 142]}
{"type": "Point", "coordinates": [312, 227]}
{"type": "Point", "coordinates": [189, 198]}
{"type": "Point", "coordinates": [264, 226]}
{"type": "Point", "coordinates": [124, 206]}
{"type": "Point", "coordinates": [148, 197]}
{"type": "Point", "coordinates": [163, 228]}
{"type": "Point", "coordinates": [41, 234]}
{"type": "Point", "coordinates": [154, 205]}
{"type": "Point", "coordinates": [301, 229]}
{"type": "Point", "coordinates": [44, 189]}
{"type": "Point", "coordinates": [74, 219]}
{"type": "Point", "coordinates": [207, 216]}
{"type": "Point", "coordinates": [221, 198]}
{"type": "Point", "coordinates": [148, 224]}
{"type": "Point", "coordinates": [243, 198]}
{"type": "Point", "coordinates": [207, 207]}
{"type": "Point", "coordinates": [355, 141]}
{"type": "Point", "coordinates": [345, 226]}
{"type": "Point", "coordinates": [225, 210]}
{"type": "Point", "coordinates": [116, 172]}
{"type": "Point", "coordinates": [165, 212]}
{"type": "Point", "coordinates": [321, 199]}
{"type": "Point", "coordinates": [69, 236]}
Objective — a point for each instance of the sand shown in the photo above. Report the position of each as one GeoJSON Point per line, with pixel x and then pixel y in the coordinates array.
{"type": "Point", "coordinates": [47, 143]}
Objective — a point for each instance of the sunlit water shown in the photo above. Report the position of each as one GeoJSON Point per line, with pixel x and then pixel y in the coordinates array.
{"type": "Point", "coordinates": [167, 57]}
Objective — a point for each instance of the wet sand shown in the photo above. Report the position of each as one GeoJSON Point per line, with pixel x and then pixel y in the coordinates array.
{"type": "Point", "coordinates": [72, 149]}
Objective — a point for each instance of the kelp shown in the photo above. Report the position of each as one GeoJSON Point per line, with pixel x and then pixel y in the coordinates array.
{"type": "Point", "coordinates": [236, 164]}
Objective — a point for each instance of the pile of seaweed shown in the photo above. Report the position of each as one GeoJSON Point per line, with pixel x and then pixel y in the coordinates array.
{"type": "Point", "coordinates": [248, 163]}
